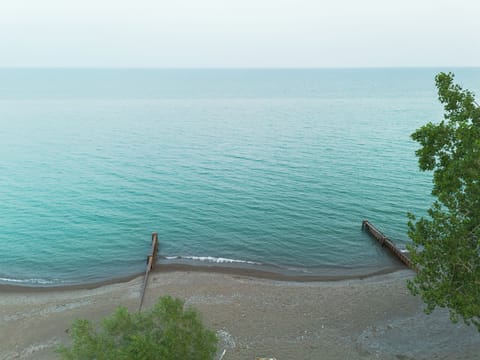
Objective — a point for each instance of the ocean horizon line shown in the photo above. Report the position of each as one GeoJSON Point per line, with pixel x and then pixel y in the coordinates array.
{"type": "Point", "coordinates": [393, 67]}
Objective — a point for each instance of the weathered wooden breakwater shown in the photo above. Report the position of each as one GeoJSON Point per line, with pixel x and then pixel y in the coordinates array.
{"type": "Point", "coordinates": [386, 242]}
{"type": "Point", "coordinates": [151, 260]}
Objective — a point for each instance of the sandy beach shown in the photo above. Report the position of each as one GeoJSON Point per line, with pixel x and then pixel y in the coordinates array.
{"type": "Point", "coordinates": [370, 318]}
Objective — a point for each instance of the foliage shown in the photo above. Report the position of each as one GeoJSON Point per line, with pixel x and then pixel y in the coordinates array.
{"type": "Point", "coordinates": [167, 331]}
{"type": "Point", "coordinates": [446, 245]}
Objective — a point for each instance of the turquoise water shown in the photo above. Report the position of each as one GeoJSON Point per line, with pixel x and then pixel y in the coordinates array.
{"type": "Point", "coordinates": [274, 167]}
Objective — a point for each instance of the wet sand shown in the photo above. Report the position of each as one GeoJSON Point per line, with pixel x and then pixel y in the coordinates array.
{"type": "Point", "coordinates": [370, 318]}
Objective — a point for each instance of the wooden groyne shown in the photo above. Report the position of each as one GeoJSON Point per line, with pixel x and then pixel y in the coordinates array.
{"type": "Point", "coordinates": [386, 242]}
{"type": "Point", "coordinates": [151, 260]}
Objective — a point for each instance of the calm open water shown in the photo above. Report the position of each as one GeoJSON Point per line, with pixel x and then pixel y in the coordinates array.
{"type": "Point", "coordinates": [274, 167]}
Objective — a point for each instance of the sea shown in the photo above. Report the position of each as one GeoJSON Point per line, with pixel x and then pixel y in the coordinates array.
{"type": "Point", "coordinates": [262, 168]}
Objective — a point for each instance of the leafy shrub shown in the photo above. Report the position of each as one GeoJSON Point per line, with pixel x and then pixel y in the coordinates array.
{"type": "Point", "coordinates": [167, 331]}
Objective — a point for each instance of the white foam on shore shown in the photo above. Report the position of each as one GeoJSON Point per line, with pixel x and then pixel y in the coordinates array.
{"type": "Point", "coordinates": [211, 259]}
{"type": "Point", "coordinates": [29, 281]}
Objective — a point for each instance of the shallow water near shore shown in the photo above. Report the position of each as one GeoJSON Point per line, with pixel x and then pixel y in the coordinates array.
{"type": "Point", "coordinates": [252, 167]}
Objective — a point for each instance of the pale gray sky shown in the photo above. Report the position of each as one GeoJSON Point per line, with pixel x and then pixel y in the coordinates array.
{"type": "Point", "coordinates": [239, 33]}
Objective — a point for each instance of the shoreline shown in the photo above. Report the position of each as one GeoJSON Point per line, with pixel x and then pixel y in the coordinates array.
{"type": "Point", "coordinates": [364, 319]}
{"type": "Point", "coordinates": [256, 271]}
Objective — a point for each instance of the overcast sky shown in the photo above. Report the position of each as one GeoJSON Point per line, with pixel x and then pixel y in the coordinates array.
{"type": "Point", "coordinates": [239, 33]}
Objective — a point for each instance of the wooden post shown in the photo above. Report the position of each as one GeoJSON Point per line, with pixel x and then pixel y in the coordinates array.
{"type": "Point", "coordinates": [154, 251]}
{"type": "Point", "coordinates": [151, 260]}
{"type": "Point", "coordinates": [386, 242]}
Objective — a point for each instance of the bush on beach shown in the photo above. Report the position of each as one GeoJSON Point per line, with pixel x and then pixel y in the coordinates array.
{"type": "Point", "coordinates": [167, 331]}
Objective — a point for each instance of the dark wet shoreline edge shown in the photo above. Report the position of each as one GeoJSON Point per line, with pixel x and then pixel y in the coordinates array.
{"type": "Point", "coordinates": [226, 270]}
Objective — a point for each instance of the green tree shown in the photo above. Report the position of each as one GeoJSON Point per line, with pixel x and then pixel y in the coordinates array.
{"type": "Point", "coordinates": [167, 331]}
{"type": "Point", "coordinates": [446, 244]}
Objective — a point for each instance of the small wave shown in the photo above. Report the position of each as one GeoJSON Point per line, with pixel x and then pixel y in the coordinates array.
{"type": "Point", "coordinates": [29, 281]}
{"type": "Point", "coordinates": [298, 270]}
{"type": "Point", "coordinates": [211, 259]}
